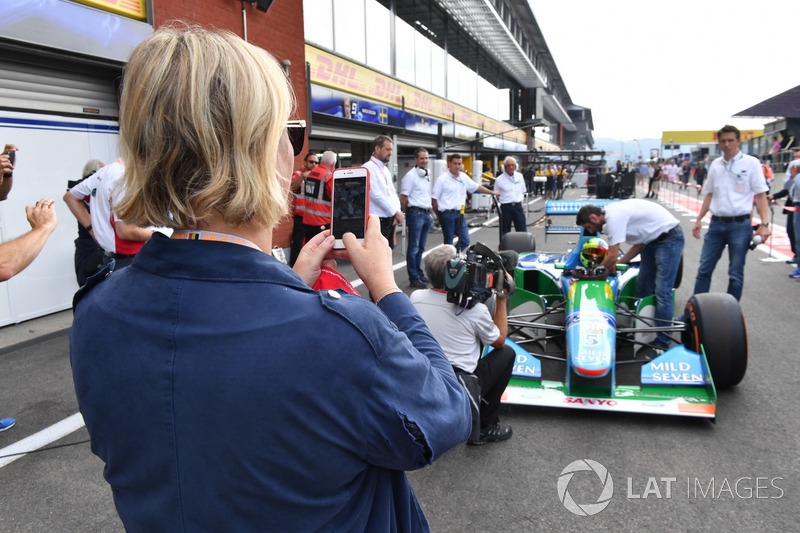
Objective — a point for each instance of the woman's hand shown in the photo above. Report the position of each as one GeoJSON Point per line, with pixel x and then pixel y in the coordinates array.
{"type": "Point", "coordinates": [313, 256]}
{"type": "Point", "coordinates": [372, 260]}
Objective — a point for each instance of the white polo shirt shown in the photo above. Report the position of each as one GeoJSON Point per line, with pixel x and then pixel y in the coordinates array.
{"type": "Point", "coordinates": [733, 184]}
{"type": "Point", "coordinates": [450, 192]}
{"type": "Point", "coordinates": [511, 188]}
{"type": "Point", "coordinates": [100, 188]}
{"type": "Point", "coordinates": [417, 188]}
{"type": "Point", "coordinates": [460, 334]}
{"type": "Point", "coordinates": [636, 221]}
{"type": "Point", "coordinates": [383, 199]}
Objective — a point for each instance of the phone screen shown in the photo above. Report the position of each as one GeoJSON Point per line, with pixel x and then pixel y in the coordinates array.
{"type": "Point", "coordinates": [350, 202]}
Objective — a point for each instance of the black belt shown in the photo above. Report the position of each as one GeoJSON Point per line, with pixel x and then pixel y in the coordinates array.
{"type": "Point", "coordinates": [512, 203]}
{"type": "Point", "coordinates": [730, 219]}
{"type": "Point", "coordinates": [675, 229]}
{"type": "Point", "coordinates": [451, 211]}
{"type": "Point", "coordinates": [112, 255]}
{"type": "Point", "coordinates": [423, 209]}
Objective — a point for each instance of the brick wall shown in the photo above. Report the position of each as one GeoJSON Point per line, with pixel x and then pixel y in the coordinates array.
{"type": "Point", "coordinates": [279, 31]}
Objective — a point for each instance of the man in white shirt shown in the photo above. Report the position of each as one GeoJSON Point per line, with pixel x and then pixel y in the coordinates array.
{"type": "Point", "coordinates": [794, 194]}
{"type": "Point", "coordinates": [460, 332]}
{"type": "Point", "coordinates": [511, 186]}
{"type": "Point", "coordinates": [383, 200]}
{"type": "Point", "coordinates": [118, 240]}
{"type": "Point", "coordinates": [654, 233]}
{"type": "Point", "coordinates": [788, 183]}
{"type": "Point", "coordinates": [733, 181]}
{"type": "Point", "coordinates": [415, 200]}
{"type": "Point", "coordinates": [449, 196]}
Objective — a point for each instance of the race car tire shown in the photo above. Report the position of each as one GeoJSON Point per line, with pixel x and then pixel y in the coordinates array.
{"type": "Point", "coordinates": [716, 321]}
{"type": "Point", "coordinates": [519, 241]}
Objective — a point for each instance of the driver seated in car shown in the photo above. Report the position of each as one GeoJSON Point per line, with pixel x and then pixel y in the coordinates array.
{"type": "Point", "coordinates": [593, 252]}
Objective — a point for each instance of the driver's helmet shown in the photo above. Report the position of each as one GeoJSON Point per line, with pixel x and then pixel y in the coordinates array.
{"type": "Point", "coordinates": [593, 252]}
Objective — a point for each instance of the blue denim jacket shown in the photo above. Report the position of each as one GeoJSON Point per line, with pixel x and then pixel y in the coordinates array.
{"type": "Point", "coordinates": [223, 394]}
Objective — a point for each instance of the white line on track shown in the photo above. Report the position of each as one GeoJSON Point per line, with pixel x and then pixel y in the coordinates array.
{"type": "Point", "coordinates": [41, 439]}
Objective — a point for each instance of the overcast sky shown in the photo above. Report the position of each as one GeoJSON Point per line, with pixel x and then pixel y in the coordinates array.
{"type": "Point", "coordinates": [644, 67]}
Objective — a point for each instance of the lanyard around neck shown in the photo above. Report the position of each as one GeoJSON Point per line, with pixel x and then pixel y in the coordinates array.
{"type": "Point", "coordinates": [194, 235]}
{"type": "Point", "coordinates": [729, 168]}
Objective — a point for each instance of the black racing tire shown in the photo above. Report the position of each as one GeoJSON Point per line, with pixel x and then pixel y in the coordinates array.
{"type": "Point", "coordinates": [715, 321]}
{"type": "Point", "coordinates": [519, 241]}
{"type": "Point", "coordinates": [679, 275]}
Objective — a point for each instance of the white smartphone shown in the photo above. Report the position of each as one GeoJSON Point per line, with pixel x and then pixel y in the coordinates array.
{"type": "Point", "coordinates": [350, 204]}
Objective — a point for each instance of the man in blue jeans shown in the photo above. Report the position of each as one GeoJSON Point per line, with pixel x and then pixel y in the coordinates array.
{"type": "Point", "coordinates": [449, 196]}
{"type": "Point", "coordinates": [794, 195]}
{"type": "Point", "coordinates": [654, 233]}
{"type": "Point", "coordinates": [733, 181]}
{"type": "Point", "coordinates": [415, 201]}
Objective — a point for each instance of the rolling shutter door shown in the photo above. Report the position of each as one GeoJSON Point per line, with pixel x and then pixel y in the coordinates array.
{"type": "Point", "coordinates": [44, 83]}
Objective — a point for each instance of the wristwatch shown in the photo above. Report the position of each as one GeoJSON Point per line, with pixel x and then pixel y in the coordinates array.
{"type": "Point", "coordinates": [765, 224]}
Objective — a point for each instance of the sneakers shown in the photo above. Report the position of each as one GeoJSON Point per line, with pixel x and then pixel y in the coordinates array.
{"type": "Point", "coordinates": [493, 433]}
{"type": "Point", "coordinates": [648, 354]}
{"type": "Point", "coordinates": [418, 284]}
{"type": "Point", "coordinates": [6, 423]}
{"type": "Point", "coordinates": [792, 261]}
{"type": "Point", "coordinates": [424, 279]}
{"type": "Point", "coordinates": [795, 274]}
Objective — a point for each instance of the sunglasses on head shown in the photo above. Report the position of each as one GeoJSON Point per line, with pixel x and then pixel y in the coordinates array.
{"type": "Point", "coordinates": [296, 129]}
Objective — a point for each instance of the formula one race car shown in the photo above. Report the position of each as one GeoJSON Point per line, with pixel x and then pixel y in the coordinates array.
{"type": "Point", "coordinates": [581, 335]}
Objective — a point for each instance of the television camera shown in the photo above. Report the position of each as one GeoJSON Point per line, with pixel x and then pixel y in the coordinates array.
{"type": "Point", "coordinates": [479, 274]}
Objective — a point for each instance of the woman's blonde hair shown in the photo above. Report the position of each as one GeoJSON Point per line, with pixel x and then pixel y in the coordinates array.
{"type": "Point", "coordinates": [202, 115]}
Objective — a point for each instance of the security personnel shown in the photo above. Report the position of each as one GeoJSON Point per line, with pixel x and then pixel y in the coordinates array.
{"type": "Point", "coordinates": [318, 192]}
{"type": "Point", "coordinates": [299, 204]}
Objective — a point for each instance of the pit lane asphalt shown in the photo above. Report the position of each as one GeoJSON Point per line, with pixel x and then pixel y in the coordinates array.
{"type": "Point", "coordinates": [510, 486]}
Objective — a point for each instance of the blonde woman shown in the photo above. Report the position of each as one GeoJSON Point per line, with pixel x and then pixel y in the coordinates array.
{"type": "Point", "coordinates": [222, 392]}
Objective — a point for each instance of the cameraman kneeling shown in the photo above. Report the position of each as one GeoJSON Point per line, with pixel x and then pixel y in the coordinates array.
{"type": "Point", "coordinates": [460, 332]}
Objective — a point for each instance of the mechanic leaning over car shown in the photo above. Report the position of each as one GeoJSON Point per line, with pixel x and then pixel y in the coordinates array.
{"type": "Point", "coordinates": [652, 232]}
{"type": "Point", "coordinates": [460, 333]}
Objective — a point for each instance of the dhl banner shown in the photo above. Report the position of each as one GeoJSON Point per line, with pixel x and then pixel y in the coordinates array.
{"type": "Point", "coordinates": [134, 9]}
{"type": "Point", "coordinates": [337, 73]}
{"type": "Point", "coordinates": [690, 137]}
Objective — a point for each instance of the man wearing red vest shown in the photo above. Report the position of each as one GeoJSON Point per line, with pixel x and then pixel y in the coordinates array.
{"type": "Point", "coordinates": [317, 192]}
{"type": "Point", "coordinates": [299, 204]}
